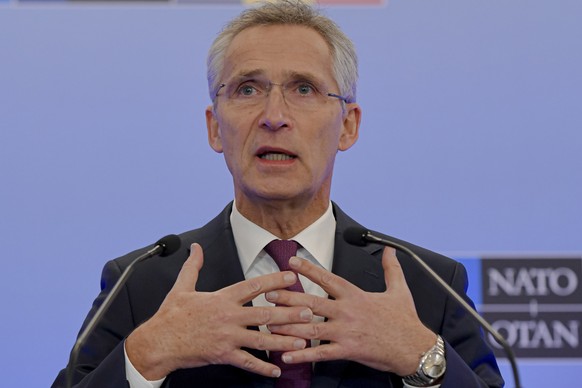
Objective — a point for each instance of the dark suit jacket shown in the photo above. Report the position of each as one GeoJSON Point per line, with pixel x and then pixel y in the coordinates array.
{"type": "Point", "coordinates": [470, 362]}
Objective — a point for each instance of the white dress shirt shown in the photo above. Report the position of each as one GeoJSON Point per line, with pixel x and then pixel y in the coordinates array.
{"type": "Point", "coordinates": [316, 242]}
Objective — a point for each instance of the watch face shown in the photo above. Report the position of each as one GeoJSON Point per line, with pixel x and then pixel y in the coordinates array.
{"type": "Point", "coordinates": [434, 365]}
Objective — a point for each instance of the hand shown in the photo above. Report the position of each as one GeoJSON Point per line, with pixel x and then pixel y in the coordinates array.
{"type": "Point", "coordinates": [193, 329]}
{"type": "Point", "coordinates": [380, 330]}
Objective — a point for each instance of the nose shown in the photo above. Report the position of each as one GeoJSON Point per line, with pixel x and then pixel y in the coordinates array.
{"type": "Point", "coordinates": [275, 114]}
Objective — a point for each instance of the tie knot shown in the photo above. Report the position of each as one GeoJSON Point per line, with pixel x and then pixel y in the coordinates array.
{"type": "Point", "coordinates": [281, 251]}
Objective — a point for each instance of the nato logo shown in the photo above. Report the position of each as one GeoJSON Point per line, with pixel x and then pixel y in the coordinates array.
{"type": "Point", "coordinates": [535, 304]}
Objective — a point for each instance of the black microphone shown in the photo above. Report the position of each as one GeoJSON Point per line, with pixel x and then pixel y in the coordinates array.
{"type": "Point", "coordinates": [163, 247]}
{"type": "Point", "coordinates": [361, 236]}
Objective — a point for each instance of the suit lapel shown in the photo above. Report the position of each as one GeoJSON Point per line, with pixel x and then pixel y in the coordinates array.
{"type": "Point", "coordinates": [358, 265]}
{"type": "Point", "coordinates": [221, 262]}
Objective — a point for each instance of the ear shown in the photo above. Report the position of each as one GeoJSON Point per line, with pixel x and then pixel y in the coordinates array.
{"type": "Point", "coordinates": [214, 139]}
{"type": "Point", "coordinates": [351, 126]}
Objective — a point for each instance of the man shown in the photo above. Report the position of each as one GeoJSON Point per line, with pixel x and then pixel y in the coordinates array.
{"type": "Point", "coordinates": [282, 79]}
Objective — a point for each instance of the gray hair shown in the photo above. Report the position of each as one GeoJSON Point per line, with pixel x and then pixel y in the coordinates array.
{"type": "Point", "coordinates": [288, 12]}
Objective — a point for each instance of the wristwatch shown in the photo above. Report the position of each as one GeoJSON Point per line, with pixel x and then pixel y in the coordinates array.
{"type": "Point", "coordinates": [431, 368]}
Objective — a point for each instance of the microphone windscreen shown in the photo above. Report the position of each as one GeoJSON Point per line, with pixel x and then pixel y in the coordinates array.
{"type": "Point", "coordinates": [355, 235]}
{"type": "Point", "coordinates": [170, 244]}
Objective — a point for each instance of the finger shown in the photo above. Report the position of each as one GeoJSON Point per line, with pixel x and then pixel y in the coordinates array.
{"type": "Point", "coordinates": [248, 362]}
{"type": "Point", "coordinates": [331, 283]}
{"type": "Point", "coordinates": [393, 274]}
{"type": "Point", "coordinates": [258, 316]}
{"type": "Point", "coordinates": [324, 307]}
{"type": "Point", "coordinates": [323, 331]}
{"type": "Point", "coordinates": [188, 275]}
{"type": "Point", "coordinates": [249, 289]}
{"type": "Point", "coordinates": [255, 339]}
{"type": "Point", "coordinates": [326, 352]}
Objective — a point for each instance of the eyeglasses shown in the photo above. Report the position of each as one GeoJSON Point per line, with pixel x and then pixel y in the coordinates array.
{"type": "Point", "coordinates": [300, 94]}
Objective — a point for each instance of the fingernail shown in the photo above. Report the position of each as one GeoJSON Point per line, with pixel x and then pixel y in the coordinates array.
{"type": "Point", "coordinates": [289, 277]}
{"type": "Point", "coordinates": [271, 296]}
{"type": "Point", "coordinates": [294, 262]}
{"type": "Point", "coordinates": [306, 315]}
{"type": "Point", "coordinates": [276, 372]}
{"type": "Point", "coordinates": [287, 358]}
{"type": "Point", "coordinates": [299, 344]}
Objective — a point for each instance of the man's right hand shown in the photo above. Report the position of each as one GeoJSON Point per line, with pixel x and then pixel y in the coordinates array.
{"type": "Point", "coordinates": [193, 329]}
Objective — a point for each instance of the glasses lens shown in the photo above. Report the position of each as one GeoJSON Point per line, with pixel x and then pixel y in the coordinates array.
{"type": "Point", "coordinates": [298, 94]}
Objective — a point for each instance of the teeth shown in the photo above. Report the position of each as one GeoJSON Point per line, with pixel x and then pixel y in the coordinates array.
{"type": "Point", "coordinates": [277, 157]}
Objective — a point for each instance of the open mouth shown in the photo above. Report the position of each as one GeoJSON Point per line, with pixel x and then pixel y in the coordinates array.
{"type": "Point", "coordinates": [276, 156]}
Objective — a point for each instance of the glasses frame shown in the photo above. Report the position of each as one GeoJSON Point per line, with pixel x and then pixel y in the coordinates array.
{"type": "Point", "coordinates": [334, 95]}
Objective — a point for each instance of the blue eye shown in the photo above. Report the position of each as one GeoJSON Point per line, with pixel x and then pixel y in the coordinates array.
{"type": "Point", "coordinates": [305, 89]}
{"type": "Point", "coordinates": [246, 90]}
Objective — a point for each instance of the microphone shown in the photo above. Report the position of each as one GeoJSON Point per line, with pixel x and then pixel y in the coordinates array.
{"type": "Point", "coordinates": [360, 236]}
{"type": "Point", "coordinates": [163, 247]}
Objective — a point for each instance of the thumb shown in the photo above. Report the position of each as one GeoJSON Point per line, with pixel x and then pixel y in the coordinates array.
{"type": "Point", "coordinates": [188, 275]}
{"type": "Point", "coordinates": [393, 274]}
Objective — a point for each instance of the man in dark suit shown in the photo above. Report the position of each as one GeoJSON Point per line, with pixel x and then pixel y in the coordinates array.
{"type": "Point", "coordinates": [282, 80]}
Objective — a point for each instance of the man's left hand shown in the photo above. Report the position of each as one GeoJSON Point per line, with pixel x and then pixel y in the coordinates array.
{"type": "Point", "coordinates": [380, 330]}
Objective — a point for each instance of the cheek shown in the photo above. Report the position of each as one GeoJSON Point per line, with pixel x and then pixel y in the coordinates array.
{"type": "Point", "coordinates": [234, 137]}
{"type": "Point", "coordinates": [325, 144]}
{"type": "Point", "coordinates": [329, 136]}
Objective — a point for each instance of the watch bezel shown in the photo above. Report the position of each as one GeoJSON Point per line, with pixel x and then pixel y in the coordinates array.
{"type": "Point", "coordinates": [423, 375]}
{"type": "Point", "coordinates": [434, 365]}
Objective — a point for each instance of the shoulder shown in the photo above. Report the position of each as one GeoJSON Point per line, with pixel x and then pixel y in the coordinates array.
{"type": "Point", "coordinates": [208, 235]}
{"type": "Point", "coordinates": [432, 258]}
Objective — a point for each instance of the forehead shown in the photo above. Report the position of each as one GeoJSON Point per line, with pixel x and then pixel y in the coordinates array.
{"type": "Point", "coordinates": [278, 51]}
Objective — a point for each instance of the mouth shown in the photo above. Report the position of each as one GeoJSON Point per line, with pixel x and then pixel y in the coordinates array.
{"type": "Point", "coordinates": [276, 156]}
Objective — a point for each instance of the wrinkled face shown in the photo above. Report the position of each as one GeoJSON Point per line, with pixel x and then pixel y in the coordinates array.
{"type": "Point", "coordinates": [273, 120]}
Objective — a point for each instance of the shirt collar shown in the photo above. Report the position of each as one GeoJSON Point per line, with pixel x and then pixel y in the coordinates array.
{"type": "Point", "coordinates": [317, 238]}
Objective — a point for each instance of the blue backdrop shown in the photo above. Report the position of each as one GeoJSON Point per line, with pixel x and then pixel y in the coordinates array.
{"type": "Point", "coordinates": [471, 139]}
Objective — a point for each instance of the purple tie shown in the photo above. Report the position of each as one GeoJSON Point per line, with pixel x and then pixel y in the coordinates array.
{"type": "Point", "coordinates": [292, 375]}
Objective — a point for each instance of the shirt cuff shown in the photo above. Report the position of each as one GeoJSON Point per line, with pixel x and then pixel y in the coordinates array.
{"type": "Point", "coordinates": [410, 386]}
{"type": "Point", "coordinates": [135, 379]}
